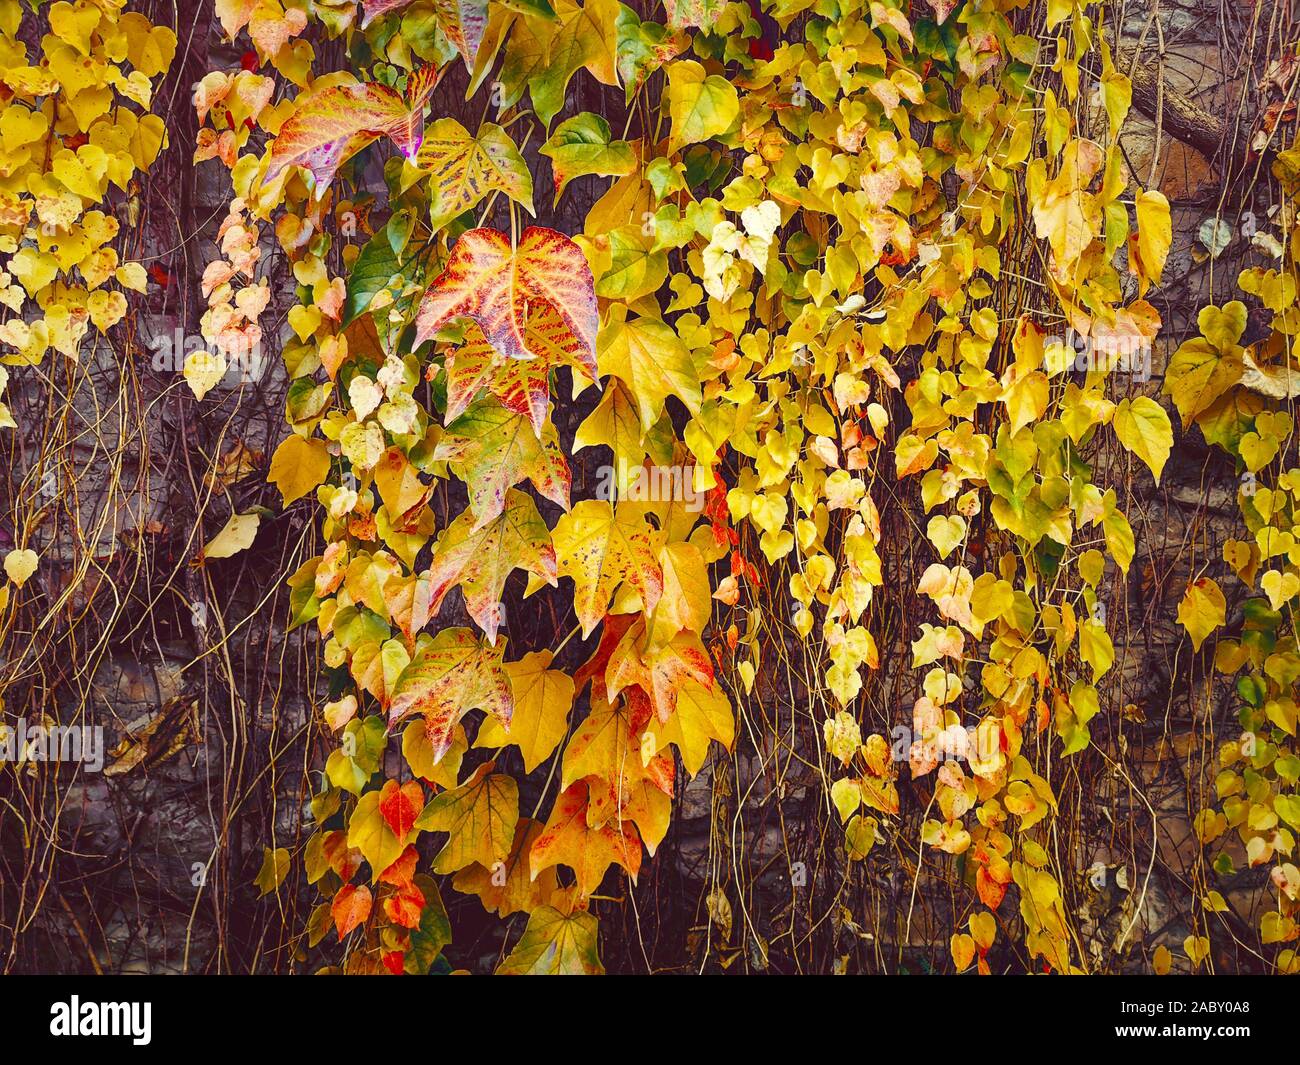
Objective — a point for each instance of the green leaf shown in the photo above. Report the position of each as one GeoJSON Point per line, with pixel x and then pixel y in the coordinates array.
{"type": "Point", "coordinates": [581, 145]}
{"type": "Point", "coordinates": [376, 266]}
{"type": "Point", "coordinates": [556, 945]}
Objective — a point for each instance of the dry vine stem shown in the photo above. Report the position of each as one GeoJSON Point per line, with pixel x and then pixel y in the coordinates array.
{"type": "Point", "coordinates": [726, 512]}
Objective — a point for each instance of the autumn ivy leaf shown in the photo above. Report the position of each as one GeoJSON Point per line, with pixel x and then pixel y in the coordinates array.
{"type": "Point", "coordinates": [370, 832]}
{"type": "Point", "coordinates": [600, 547]}
{"type": "Point", "coordinates": [543, 698]}
{"type": "Point", "coordinates": [351, 907]}
{"type": "Point", "coordinates": [516, 891]}
{"type": "Point", "coordinates": [658, 671]}
{"type": "Point", "coordinates": [492, 449]}
{"type": "Point", "coordinates": [328, 126]}
{"type": "Point", "coordinates": [583, 145]}
{"type": "Point", "coordinates": [480, 559]}
{"type": "Point", "coordinates": [643, 48]}
{"type": "Point", "coordinates": [1143, 428]}
{"type": "Point", "coordinates": [686, 604]}
{"type": "Point", "coordinates": [375, 267]}
{"type": "Point", "coordinates": [588, 852]}
{"type": "Point", "coordinates": [615, 424]}
{"type": "Point", "coordinates": [418, 753]}
{"type": "Point", "coordinates": [479, 816]}
{"type": "Point", "coordinates": [702, 715]}
{"type": "Point", "coordinates": [487, 281]}
{"type": "Point", "coordinates": [701, 105]}
{"type": "Point", "coordinates": [236, 535]}
{"type": "Point", "coordinates": [586, 36]}
{"type": "Point", "coordinates": [461, 168]}
{"type": "Point", "coordinates": [449, 675]}
{"type": "Point", "coordinates": [603, 746]}
{"type": "Point", "coordinates": [1205, 367]}
{"type": "Point", "coordinates": [400, 804]}
{"type": "Point", "coordinates": [636, 267]}
{"type": "Point", "coordinates": [275, 867]}
{"type": "Point", "coordinates": [1202, 610]}
{"type": "Point", "coordinates": [298, 466]}
{"type": "Point", "coordinates": [1149, 247]}
{"type": "Point", "coordinates": [556, 944]}
{"type": "Point", "coordinates": [649, 356]}
{"type": "Point", "coordinates": [522, 385]}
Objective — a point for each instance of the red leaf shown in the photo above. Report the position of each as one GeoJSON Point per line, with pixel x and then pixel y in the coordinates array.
{"type": "Point", "coordinates": [400, 806]}
{"type": "Point", "coordinates": [990, 891]}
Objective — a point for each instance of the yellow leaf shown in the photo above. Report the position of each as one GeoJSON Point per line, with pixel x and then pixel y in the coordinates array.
{"type": "Point", "coordinates": [1155, 234]}
{"type": "Point", "coordinates": [132, 276]}
{"type": "Point", "coordinates": [963, 951]}
{"type": "Point", "coordinates": [236, 535]}
{"type": "Point", "coordinates": [20, 565]}
{"type": "Point", "coordinates": [298, 466]}
{"type": "Point", "coordinates": [1143, 428]}
{"type": "Point", "coordinates": [1202, 610]}
{"type": "Point", "coordinates": [203, 369]}
{"type": "Point", "coordinates": [543, 698]}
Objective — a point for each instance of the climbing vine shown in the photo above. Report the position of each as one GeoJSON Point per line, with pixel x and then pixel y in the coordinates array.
{"type": "Point", "coordinates": [842, 260]}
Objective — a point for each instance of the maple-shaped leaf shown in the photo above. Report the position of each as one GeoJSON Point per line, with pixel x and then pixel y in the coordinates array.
{"type": "Point", "coordinates": [648, 355]}
{"type": "Point", "coordinates": [375, 8]}
{"type": "Point", "coordinates": [556, 944]}
{"type": "Point", "coordinates": [616, 424]}
{"type": "Point", "coordinates": [488, 281]}
{"type": "Point", "coordinates": [641, 795]}
{"type": "Point", "coordinates": [586, 35]}
{"type": "Point", "coordinates": [328, 126]}
{"type": "Point", "coordinates": [606, 753]}
{"type": "Point", "coordinates": [515, 891]}
{"type": "Point", "coordinates": [543, 698]}
{"type": "Point", "coordinates": [449, 675]}
{"type": "Point", "coordinates": [607, 741]}
{"type": "Point", "coordinates": [480, 817]}
{"type": "Point", "coordinates": [480, 559]}
{"type": "Point", "coordinates": [600, 547]}
{"type": "Point", "coordinates": [522, 385]}
{"type": "Point", "coordinates": [702, 715]}
{"type": "Point", "coordinates": [463, 167]}
{"type": "Point", "coordinates": [588, 852]}
{"type": "Point", "coordinates": [492, 449]}
{"type": "Point", "coordinates": [659, 671]}
{"type": "Point", "coordinates": [686, 605]}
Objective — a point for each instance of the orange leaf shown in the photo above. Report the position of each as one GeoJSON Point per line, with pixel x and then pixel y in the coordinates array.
{"type": "Point", "coordinates": [351, 907]}
{"type": "Point", "coordinates": [588, 852]}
